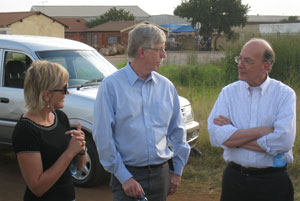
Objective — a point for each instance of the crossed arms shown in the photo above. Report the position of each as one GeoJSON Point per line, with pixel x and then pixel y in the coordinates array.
{"type": "Point", "coordinates": [245, 138]}
{"type": "Point", "coordinates": [272, 131]}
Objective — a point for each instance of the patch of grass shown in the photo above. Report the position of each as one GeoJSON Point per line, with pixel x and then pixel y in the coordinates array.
{"type": "Point", "coordinates": [121, 64]}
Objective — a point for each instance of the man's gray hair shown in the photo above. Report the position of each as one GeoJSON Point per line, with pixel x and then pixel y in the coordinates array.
{"type": "Point", "coordinates": [144, 36]}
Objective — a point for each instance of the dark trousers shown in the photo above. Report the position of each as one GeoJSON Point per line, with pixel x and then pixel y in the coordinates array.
{"type": "Point", "coordinates": [275, 186]}
{"type": "Point", "coordinates": [155, 182]}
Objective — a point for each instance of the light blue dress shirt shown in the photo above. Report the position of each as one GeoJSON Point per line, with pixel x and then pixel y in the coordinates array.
{"type": "Point", "coordinates": [271, 104]}
{"type": "Point", "coordinates": [138, 123]}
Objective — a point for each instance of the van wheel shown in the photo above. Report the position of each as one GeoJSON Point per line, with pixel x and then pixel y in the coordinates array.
{"type": "Point", "coordinates": [93, 173]}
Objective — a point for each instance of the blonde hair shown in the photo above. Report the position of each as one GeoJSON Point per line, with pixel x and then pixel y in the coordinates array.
{"type": "Point", "coordinates": [40, 77]}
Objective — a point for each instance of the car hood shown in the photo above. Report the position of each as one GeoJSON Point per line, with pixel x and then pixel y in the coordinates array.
{"type": "Point", "coordinates": [87, 92]}
{"type": "Point", "coordinates": [90, 92]}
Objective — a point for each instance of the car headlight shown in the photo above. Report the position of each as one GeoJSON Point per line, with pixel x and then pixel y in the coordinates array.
{"type": "Point", "coordinates": [187, 113]}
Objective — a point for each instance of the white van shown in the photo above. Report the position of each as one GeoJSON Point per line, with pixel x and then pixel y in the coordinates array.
{"type": "Point", "coordinates": [86, 68]}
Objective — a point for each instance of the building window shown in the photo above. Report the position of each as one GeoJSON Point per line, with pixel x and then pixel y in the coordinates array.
{"type": "Point", "coordinates": [5, 31]}
{"type": "Point", "coordinates": [95, 39]}
{"type": "Point", "coordinates": [113, 40]}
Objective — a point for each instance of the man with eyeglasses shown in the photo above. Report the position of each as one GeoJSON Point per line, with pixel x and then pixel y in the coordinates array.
{"type": "Point", "coordinates": [138, 127]}
{"type": "Point", "coordinates": [254, 121]}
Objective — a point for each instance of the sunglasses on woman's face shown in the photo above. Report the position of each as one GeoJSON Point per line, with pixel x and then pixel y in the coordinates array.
{"type": "Point", "coordinates": [64, 90]}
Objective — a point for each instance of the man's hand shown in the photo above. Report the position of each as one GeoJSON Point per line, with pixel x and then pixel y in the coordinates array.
{"type": "Point", "coordinates": [221, 120]}
{"type": "Point", "coordinates": [175, 181]}
{"type": "Point", "coordinates": [132, 188]}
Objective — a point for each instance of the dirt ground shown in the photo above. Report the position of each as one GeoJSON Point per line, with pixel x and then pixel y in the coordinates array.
{"type": "Point", "coordinates": [12, 186]}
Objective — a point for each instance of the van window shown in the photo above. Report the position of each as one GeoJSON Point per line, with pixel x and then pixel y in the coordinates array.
{"type": "Point", "coordinates": [15, 66]}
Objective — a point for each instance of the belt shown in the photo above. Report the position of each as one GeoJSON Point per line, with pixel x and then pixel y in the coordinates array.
{"type": "Point", "coordinates": [147, 166]}
{"type": "Point", "coordinates": [251, 171]}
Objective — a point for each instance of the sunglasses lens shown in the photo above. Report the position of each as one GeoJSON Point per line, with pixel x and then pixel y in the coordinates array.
{"type": "Point", "coordinates": [65, 89]}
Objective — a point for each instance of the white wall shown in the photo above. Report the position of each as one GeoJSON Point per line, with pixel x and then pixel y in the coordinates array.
{"type": "Point", "coordinates": [280, 28]}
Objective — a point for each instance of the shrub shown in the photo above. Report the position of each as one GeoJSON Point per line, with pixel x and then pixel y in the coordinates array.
{"type": "Point", "coordinates": [287, 64]}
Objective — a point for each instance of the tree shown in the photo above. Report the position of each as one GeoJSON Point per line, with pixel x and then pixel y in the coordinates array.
{"type": "Point", "coordinates": [215, 16]}
{"type": "Point", "coordinates": [113, 14]}
{"type": "Point", "coordinates": [290, 19]}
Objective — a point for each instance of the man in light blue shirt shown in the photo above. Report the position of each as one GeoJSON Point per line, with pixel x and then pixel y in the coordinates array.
{"type": "Point", "coordinates": [254, 121]}
{"type": "Point", "coordinates": [138, 125]}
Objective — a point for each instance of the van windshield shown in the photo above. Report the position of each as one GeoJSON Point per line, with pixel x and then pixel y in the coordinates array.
{"type": "Point", "coordinates": [84, 66]}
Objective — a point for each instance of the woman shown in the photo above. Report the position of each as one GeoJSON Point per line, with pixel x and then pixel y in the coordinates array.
{"type": "Point", "coordinates": [42, 139]}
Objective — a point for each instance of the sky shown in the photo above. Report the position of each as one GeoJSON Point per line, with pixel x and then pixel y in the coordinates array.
{"type": "Point", "coordinates": [155, 7]}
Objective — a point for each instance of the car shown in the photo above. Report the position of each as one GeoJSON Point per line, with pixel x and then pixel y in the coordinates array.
{"type": "Point", "coordinates": [86, 67]}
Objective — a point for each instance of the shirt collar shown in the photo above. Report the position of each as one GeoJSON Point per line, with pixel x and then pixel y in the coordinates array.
{"type": "Point", "coordinates": [263, 87]}
{"type": "Point", "coordinates": [133, 77]}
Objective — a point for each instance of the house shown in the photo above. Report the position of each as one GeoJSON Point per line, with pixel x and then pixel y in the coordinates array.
{"type": "Point", "coordinates": [258, 24]}
{"type": "Point", "coordinates": [113, 32]}
{"type": "Point", "coordinates": [76, 28]}
{"type": "Point", "coordinates": [31, 23]}
{"type": "Point", "coordinates": [87, 12]}
{"type": "Point", "coordinates": [91, 12]}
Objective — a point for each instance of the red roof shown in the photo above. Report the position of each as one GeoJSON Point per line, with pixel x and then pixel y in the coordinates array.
{"type": "Point", "coordinates": [74, 24]}
{"type": "Point", "coordinates": [7, 19]}
{"type": "Point", "coordinates": [116, 26]}
{"type": "Point", "coordinates": [120, 26]}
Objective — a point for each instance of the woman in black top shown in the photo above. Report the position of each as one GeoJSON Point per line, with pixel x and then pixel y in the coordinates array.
{"type": "Point", "coordinates": [42, 138]}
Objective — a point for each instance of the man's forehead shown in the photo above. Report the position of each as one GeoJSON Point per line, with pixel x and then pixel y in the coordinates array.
{"type": "Point", "coordinates": [253, 49]}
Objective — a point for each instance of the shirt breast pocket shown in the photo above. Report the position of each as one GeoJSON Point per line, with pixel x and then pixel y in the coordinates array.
{"type": "Point", "coordinates": [267, 120]}
{"type": "Point", "coordinates": [161, 113]}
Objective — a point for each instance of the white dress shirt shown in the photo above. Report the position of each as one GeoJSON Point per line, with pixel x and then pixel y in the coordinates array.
{"type": "Point", "coordinates": [271, 104]}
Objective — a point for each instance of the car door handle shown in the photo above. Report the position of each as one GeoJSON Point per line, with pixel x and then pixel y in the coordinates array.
{"type": "Point", "coordinates": [4, 100]}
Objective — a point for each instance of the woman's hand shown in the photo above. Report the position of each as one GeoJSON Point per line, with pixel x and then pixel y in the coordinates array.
{"type": "Point", "coordinates": [77, 141]}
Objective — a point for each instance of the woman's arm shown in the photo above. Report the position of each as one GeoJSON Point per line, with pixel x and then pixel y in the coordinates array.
{"type": "Point", "coordinates": [39, 181]}
{"type": "Point", "coordinates": [81, 160]}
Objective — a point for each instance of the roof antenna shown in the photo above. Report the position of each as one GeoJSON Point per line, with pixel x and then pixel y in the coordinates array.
{"type": "Point", "coordinates": [43, 4]}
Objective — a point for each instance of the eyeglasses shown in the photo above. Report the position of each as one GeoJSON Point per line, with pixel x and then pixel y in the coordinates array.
{"type": "Point", "coordinates": [64, 90]}
{"type": "Point", "coordinates": [160, 51]}
{"type": "Point", "coordinates": [245, 61]}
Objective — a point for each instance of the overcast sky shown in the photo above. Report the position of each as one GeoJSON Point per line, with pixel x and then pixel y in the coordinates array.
{"type": "Point", "coordinates": [154, 7]}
